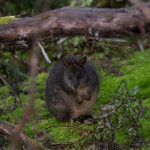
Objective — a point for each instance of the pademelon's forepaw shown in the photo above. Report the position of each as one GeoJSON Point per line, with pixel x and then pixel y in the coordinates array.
{"type": "Point", "coordinates": [87, 97]}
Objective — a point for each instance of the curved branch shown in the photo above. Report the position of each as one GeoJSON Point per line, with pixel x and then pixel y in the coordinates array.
{"type": "Point", "coordinates": [77, 21]}
{"type": "Point", "coordinates": [8, 129]}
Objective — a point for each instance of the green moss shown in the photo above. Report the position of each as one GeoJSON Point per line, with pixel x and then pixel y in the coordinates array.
{"type": "Point", "coordinates": [145, 130]}
{"type": "Point", "coordinates": [136, 72]}
{"type": "Point", "coordinates": [41, 81]}
{"type": "Point", "coordinates": [6, 20]}
{"type": "Point", "coordinates": [108, 87]}
{"type": "Point", "coordinates": [146, 148]}
{"type": "Point", "coordinates": [24, 99]}
{"type": "Point", "coordinates": [29, 130]}
{"type": "Point", "coordinates": [13, 116]}
{"type": "Point", "coordinates": [6, 100]}
{"type": "Point", "coordinates": [145, 123]}
{"type": "Point", "coordinates": [4, 90]}
{"type": "Point", "coordinates": [62, 132]}
{"type": "Point", "coordinates": [121, 137]}
{"type": "Point", "coordinates": [64, 135]}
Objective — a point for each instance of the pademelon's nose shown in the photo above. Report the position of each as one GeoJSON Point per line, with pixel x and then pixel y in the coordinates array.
{"type": "Point", "coordinates": [75, 86]}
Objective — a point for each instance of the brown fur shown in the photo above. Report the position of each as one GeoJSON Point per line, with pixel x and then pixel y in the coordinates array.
{"type": "Point", "coordinates": [71, 88]}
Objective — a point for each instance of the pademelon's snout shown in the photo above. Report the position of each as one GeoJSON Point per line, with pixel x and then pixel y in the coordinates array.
{"type": "Point", "coordinates": [75, 86]}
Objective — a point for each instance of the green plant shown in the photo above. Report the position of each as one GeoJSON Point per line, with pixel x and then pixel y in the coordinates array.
{"type": "Point", "coordinates": [119, 121]}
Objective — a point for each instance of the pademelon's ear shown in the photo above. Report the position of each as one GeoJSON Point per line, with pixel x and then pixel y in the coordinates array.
{"type": "Point", "coordinates": [65, 63]}
{"type": "Point", "coordinates": [82, 60]}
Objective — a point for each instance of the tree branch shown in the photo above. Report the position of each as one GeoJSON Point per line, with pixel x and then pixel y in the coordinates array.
{"type": "Point", "coordinates": [8, 129]}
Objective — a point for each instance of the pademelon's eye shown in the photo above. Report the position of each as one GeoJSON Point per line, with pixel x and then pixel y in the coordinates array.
{"type": "Point", "coordinates": [79, 76]}
{"type": "Point", "coordinates": [70, 77]}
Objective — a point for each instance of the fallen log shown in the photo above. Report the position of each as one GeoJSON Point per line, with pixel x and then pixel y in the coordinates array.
{"type": "Point", "coordinates": [76, 21]}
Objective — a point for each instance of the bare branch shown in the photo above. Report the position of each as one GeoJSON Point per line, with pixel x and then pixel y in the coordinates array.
{"type": "Point", "coordinates": [7, 129]}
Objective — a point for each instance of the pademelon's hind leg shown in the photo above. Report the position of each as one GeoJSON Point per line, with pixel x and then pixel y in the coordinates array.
{"type": "Point", "coordinates": [62, 113]}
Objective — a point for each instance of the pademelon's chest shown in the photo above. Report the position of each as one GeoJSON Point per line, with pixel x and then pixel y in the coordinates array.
{"type": "Point", "coordinates": [82, 91]}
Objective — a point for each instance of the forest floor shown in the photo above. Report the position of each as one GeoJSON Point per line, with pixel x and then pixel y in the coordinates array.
{"type": "Point", "coordinates": [133, 71]}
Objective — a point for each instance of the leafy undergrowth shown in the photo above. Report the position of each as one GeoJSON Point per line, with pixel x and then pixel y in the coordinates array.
{"type": "Point", "coordinates": [46, 129]}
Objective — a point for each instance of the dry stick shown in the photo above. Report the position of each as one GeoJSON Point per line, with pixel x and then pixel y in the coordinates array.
{"type": "Point", "coordinates": [3, 80]}
{"type": "Point", "coordinates": [30, 108]}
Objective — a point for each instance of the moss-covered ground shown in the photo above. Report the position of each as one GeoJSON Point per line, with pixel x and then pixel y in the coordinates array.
{"type": "Point", "coordinates": [135, 70]}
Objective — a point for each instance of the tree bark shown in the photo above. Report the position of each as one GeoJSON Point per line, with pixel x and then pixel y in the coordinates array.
{"type": "Point", "coordinates": [76, 21]}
